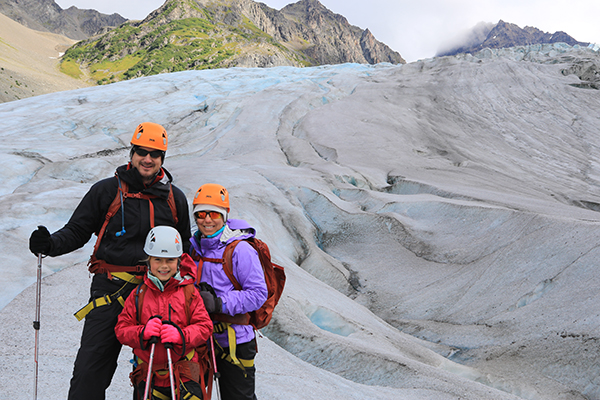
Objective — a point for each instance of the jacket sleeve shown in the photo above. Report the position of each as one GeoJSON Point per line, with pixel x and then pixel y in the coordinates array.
{"type": "Point", "coordinates": [249, 273]}
{"type": "Point", "coordinates": [128, 330]}
{"type": "Point", "coordinates": [200, 327]}
{"type": "Point", "coordinates": [86, 219]}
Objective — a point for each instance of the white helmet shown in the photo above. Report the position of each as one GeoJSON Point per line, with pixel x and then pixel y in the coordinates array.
{"type": "Point", "coordinates": [163, 241]}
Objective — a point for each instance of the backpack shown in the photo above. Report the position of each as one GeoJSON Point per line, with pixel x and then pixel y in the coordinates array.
{"type": "Point", "coordinates": [274, 278]}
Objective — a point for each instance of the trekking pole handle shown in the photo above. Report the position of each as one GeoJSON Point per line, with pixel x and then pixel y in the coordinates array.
{"type": "Point", "coordinates": [171, 346]}
{"type": "Point", "coordinates": [154, 339]}
{"type": "Point", "coordinates": [36, 322]}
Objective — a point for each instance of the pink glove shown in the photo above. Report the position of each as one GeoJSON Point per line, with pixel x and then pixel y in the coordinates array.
{"type": "Point", "coordinates": [170, 334]}
{"type": "Point", "coordinates": [152, 328]}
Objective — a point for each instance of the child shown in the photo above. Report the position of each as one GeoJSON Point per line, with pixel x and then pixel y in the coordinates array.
{"type": "Point", "coordinates": [235, 361]}
{"type": "Point", "coordinates": [158, 309]}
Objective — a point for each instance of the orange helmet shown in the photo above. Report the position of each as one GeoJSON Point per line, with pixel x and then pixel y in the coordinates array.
{"type": "Point", "coordinates": [151, 135]}
{"type": "Point", "coordinates": [212, 194]}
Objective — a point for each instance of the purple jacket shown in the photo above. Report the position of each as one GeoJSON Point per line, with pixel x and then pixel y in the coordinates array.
{"type": "Point", "coordinates": [246, 269]}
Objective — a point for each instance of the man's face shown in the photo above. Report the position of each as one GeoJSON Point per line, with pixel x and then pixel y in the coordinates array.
{"type": "Point", "coordinates": [146, 165]}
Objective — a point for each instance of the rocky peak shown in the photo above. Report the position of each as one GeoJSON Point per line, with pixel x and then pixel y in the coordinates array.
{"type": "Point", "coordinates": [332, 39]}
{"type": "Point", "coordinates": [47, 16]}
{"type": "Point", "coordinates": [311, 12]}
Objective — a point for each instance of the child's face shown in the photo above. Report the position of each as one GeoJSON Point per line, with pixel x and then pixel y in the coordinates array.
{"type": "Point", "coordinates": [163, 268]}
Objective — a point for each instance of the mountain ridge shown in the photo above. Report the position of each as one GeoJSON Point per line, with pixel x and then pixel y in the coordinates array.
{"type": "Point", "coordinates": [198, 34]}
{"type": "Point", "coordinates": [47, 16]}
{"type": "Point", "coordinates": [505, 35]}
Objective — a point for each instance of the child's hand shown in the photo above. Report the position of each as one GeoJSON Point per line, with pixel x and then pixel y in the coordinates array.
{"type": "Point", "coordinates": [152, 328]}
{"type": "Point", "coordinates": [170, 334]}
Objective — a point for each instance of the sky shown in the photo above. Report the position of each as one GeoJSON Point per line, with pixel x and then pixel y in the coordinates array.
{"type": "Point", "coordinates": [419, 29]}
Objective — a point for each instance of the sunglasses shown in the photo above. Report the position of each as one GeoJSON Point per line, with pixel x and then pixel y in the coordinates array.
{"type": "Point", "coordinates": [212, 214]}
{"type": "Point", "coordinates": [143, 153]}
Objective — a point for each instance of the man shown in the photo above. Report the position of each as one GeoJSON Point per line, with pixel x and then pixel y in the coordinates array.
{"type": "Point", "coordinates": [120, 210]}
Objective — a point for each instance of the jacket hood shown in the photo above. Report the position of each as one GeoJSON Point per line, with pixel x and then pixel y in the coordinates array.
{"type": "Point", "coordinates": [240, 224]}
{"type": "Point", "coordinates": [187, 269]}
{"type": "Point", "coordinates": [235, 229]}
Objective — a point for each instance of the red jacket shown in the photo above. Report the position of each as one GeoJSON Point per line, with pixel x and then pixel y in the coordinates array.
{"type": "Point", "coordinates": [155, 302]}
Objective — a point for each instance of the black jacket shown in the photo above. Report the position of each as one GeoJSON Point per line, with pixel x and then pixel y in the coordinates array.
{"type": "Point", "coordinates": [127, 249]}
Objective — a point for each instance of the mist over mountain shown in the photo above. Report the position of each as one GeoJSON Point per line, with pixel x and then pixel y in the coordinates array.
{"type": "Point", "coordinates": [47, 16]}
{"type": "Point", "coordinates": [503, 35]}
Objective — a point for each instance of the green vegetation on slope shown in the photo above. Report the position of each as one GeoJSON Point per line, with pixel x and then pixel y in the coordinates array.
{"type": "Point", "coordinates": [185, 44]}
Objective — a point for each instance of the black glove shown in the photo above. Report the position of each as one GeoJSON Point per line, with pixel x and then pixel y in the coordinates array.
{"type": "Point", "coordinates": [212, 303]}
{"type": "Point", "coordinates": [40, 242]}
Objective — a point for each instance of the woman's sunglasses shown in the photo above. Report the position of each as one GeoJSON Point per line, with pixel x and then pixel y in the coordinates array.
{"type": "Point", "coordinates": [212, 214]}
{"type": "Point", "coordinates": [143, 153]}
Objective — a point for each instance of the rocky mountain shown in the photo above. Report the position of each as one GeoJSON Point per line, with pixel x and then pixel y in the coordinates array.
{"type": "Point", "coordinates": [331, 39]}
{"type": "Point", "coordinates": [202, 34]}
{"type": "Point", "coordinates": [47, 16]}
{"type": "Point", "coordinates": [502, 35]}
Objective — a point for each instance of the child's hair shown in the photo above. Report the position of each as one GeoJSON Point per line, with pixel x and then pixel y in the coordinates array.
{"type": "Point", "coordinates": [147, 260]}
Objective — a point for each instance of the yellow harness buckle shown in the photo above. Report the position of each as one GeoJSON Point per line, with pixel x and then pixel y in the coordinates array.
{"type": "Point", "coordinates": [104, 300]}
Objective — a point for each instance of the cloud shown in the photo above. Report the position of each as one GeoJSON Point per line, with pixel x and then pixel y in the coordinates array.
{"type": "Point", "coordinates": [466, 38]}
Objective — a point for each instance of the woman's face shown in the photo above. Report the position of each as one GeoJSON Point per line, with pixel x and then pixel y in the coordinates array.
{"type": "Point", "coordinates": [209, 222]}
{"type": "Point", "coordinates": [163, 268]}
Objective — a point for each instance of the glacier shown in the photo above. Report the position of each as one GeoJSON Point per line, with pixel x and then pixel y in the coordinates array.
{"type": "Point", "coordinates": [438, 221]}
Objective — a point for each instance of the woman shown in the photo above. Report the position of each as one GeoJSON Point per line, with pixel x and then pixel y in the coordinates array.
{"type": "Point", "coordinates": [236, 343]}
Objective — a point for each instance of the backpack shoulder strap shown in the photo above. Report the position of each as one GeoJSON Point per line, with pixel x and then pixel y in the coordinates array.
{"type": "Point", "coordinates": [122, 193]}
{"type": "Point", "coordinates": [228, 263]}
{"type": "Point", "coordinates": [140, 291]}
{"type": "Point", "coordinates": [172, 205]}
{"type": "Point", "coordinates": [112, 210]}
{"type": "Point", "coordinates": [189, 291]}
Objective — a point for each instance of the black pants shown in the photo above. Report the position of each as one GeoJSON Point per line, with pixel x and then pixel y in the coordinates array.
{"type": "Point", "coordinates": [99, 350]}
{"type": "Point", "coordinates": [236, 383]}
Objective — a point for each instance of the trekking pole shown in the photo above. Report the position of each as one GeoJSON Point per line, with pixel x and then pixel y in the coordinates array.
{"type": "Point", "coordinates": [214, 360]}
{"type": "Point", "coordinates": [36, 323]}
{"type": "Point", "coordinates": [169, 346]}
{"type": "Point", "coordinates": [153, 341]}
